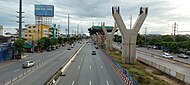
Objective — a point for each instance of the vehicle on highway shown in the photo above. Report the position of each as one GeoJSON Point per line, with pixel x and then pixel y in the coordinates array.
{"type": "Point", "coordinates": [181, 55]}
{"type": "Point", "coordinates": [96, 46]}
{"type": "Point", "coordinates": [49, 49]}
{"type": "Point", "coordinates": [167, 55]}
{"type": "Point", "coordinates": [69, 48]}
{"type": "Point", "coordinates": [93, 52]}
{"type": "Point", "coordinates": [28, 64]}
{"type": "Point", "coordinates": [63, 45]}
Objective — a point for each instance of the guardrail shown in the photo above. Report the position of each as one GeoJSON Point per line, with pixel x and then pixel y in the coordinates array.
{"type": "Point", "coordinates": [126, 77]}
{"type": "Point", "coordinates": [21, 74]}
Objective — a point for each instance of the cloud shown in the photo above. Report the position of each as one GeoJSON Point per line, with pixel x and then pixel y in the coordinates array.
{"type": "Point", "coordinates": [162, 13]}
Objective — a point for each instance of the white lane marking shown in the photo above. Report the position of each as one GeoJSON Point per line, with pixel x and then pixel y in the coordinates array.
{"type": "Point", "coordinates": [90, 83]}
{"type": "Point", "coordinates": [4, 69]}
{"type": "Point", "coordinates": [73, 83]}
{"type": "Point", "coordinates": [81, 59]}
{"type": "Point", "coordinates": [78, 67]}
{"type": "Point", "coordinates": [17, 70]}
{"type": "Point", "coordinates": [90, 67]}
{"type": "Point", "coordinates": [107, 82]}
{"type": "Point", "coordinates": [101, 67]}
{"type": "Point", "coordinates": [37, 60]}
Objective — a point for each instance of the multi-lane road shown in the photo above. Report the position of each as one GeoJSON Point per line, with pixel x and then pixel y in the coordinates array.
{"type": "Point", "coordinates": [88, 69]}
{"type": "Point", "coordinates": [38, 76]}
{"type": "Point", "coordinates": [156, 52]}
{"type": "Point", "coordinates": [178, 67]}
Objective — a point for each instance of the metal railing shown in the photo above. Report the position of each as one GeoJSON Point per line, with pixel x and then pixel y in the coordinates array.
{"type": "Point", "coordinates": [125, 75]}
{"type": "Point", "coordinates": [21, 74]}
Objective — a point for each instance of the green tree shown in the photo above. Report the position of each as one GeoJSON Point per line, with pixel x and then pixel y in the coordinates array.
{"type": "Point", "coordinates": [167, 38]}
{"type": "Point", "coordinates": [53, 41]}
{"type": "Point", "coordinates": [41, 43]}
{"type": "Point", "coordinates": [19, 46]}
{"type": "Point", "coordinates": [60, 40]}
{"type": "Point", "coordinates": [181, 38]}
{"type": "Point", "coordinates": [140, 40]}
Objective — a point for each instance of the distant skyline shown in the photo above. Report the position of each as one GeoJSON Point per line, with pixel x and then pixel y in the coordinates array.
{"type": "Point", "coordinates": [162, 13]}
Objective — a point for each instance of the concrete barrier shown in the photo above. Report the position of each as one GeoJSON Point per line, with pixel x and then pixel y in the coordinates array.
{"type": "Point", "coordinates": [180, 76]}
{"type": "Point", "coordinates": [162, 68]}
{"type": "Point", "coordinates": [157, 66]}
{"type": "Point", "coordinates": [167, 70]}
{"type": "Point", "coordinates": [187, 79]}
{"type": "Point", "coordinates": [173, 73]}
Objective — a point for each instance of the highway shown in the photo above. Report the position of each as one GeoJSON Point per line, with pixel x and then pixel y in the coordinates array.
{"type": "Point", "coordinates": [158, 52]}
{"type": "Point", "coordinates": [88, 69]}
{"type": "Point", "coordinates": [171, 65]}
{"type": "Point", "coordinates": [37, 77]}
{"type": "Point", "coordinates": [15, 67]}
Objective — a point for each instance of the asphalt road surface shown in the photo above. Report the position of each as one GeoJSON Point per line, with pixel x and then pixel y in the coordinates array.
{"type": "Point", "coordinates": [88, 69]}
{"type": "Point", "coordinates": [174, 66]}
{"type": "Point", "coordinates": [157, 52]}
{"type": "Point", "coordinates": [14, 67]}
{"type": "Point", "coordinates": [41, 74]}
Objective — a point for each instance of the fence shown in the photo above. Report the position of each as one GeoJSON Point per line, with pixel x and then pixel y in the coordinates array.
{"type": "Point", "coordinates": [126, 77]}
{"type": "Point", "coordinates": [21, 74]}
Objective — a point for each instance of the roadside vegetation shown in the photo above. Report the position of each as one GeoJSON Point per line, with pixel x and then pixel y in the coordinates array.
{"type": "Point", "coordinates": [169, 43]}
{"type": "Point", "coordinates": [138, 71]}
{"type": "Point", "coordinates": [41, 44]}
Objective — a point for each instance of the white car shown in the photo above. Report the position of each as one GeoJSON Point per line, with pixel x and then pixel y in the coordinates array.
{"type": "Point", "coordinates": [28, 64]}
{"type": "Point", "coordinates": [167, 55]}
{"type": "Point", "coordinates": [183, 56]}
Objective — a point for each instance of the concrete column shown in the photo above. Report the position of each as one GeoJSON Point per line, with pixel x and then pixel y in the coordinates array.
{"type": "Point", "coordinates": [95, 38]}
{"type": "Point", "coordinates": [99, 39]}
{"type": "Point", "coordinates": [109, 36]}
{"type": "Point", "coordinates": [129, 36]}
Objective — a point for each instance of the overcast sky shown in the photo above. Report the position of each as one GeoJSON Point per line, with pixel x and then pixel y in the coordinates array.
{"type": "Point", "coordinates": [162, 13]}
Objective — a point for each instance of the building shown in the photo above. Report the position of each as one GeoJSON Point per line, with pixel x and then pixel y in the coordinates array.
{"type": "Point", "coordinates": [55, 32]}
{"type": "Point", "coordinates": [35, 32]}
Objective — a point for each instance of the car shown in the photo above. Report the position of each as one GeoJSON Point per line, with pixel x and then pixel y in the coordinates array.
{"type": "Point", "coordinates": [181, 55]}
{"type": "Point", "coordinates": [28, 64]}
{"type": "Point", "coordinates": [167, 55]}
{"type": "Point", "coordinates": [63, 45]}
{"type": "Point", "coordinates": [93, 52]}
{"type": "Point", "coordinates": [49, 49]}
{"type": "Point", "coordinates": [96, 46]}
{"type": "Point", "coordinates": [69, 48]}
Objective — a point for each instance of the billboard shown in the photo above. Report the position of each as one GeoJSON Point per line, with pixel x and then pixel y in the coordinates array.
{"type": "Point", "coordinates": [44, 10]}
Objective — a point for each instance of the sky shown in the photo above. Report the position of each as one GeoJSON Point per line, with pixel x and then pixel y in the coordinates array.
{"type": "Point", "coordinates": [161, 16]}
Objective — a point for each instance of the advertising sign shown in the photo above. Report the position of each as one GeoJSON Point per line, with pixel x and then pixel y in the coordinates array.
{"type": "Point", "coordinates": [44, 10]}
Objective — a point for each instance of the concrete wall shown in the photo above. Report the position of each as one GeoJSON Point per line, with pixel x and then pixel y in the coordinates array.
{"type": "Point", "coordinates": [166, 70]}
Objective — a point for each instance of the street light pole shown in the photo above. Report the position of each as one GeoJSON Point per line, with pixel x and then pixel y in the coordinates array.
{"type": "Point", "coordinates": [68, 28]}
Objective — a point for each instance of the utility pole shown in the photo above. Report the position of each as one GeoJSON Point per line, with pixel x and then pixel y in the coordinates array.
{"type": "Point", "coordinates": [78, 29]}
{"type": "Point", "coordinates": [68, 27]}
{"type": "Point", "coordinates": [175, 27]}
{"type": "Point", "coordinates": [20, 18]}
{"type": "Point", "coordinates": [145, 36]}
{"type": "Point", "coordinates": [174, 30]}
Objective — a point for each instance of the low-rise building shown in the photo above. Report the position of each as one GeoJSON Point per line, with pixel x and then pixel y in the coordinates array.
{"type": "Point", "coordinates": [35, 32]}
